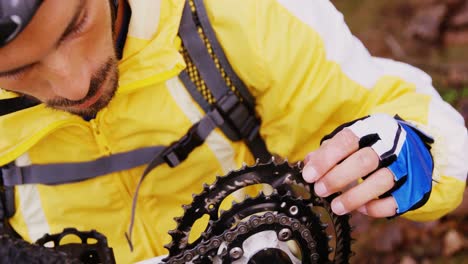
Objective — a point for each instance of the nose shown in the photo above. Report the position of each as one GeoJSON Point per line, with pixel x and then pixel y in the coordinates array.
{"type": "Point", "coordinates": [68, 78]}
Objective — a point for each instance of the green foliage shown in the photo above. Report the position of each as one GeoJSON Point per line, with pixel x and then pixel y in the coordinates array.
{"type": "Point", "coordinates": [450, 96]}
{"type": "Point", "coordinates": [464, 93]}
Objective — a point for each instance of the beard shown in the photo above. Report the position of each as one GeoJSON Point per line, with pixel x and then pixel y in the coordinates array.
{"type": "Point", "coordinates": [107, 72]}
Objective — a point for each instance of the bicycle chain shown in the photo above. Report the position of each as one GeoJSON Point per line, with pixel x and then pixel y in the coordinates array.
{"type": "Point", "coordinates": [279, 221]}
{"type": "Point", "coordinates": [281, 176]}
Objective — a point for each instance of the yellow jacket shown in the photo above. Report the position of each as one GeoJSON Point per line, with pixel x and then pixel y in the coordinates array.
{"type": "Point", "coordinates": [301, 63]}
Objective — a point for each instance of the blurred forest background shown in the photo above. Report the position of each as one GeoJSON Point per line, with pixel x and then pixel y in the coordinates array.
{"type": "Point", "coordinates": [433, 36]}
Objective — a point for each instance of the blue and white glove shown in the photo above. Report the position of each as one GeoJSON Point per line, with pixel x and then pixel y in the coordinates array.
{"type": "Point", "coordinates": [404, 150]}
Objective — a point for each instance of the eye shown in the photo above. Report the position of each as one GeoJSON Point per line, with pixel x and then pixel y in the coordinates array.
{"type": "Point", "coordinates": [15, 74]}
{"type": "Point", "coordinates": [81, 25]}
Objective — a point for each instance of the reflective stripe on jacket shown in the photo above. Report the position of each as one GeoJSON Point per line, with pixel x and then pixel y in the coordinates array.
{"type": "Point", "coordinates": [307, 73]}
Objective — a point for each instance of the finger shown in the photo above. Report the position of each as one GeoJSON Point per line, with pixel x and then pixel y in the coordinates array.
{"type": "Point", "coordinates": [356, 166]}
{"type": "Point", "coordinates": [385, 207]}
{"type": "Point", "coordinates": [376, 184]}
{"type": "Point", "coordinates": [329, 154]}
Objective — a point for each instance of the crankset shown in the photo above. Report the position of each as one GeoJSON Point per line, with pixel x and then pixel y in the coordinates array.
{"type": "Point", "coordinates": [287, 224]}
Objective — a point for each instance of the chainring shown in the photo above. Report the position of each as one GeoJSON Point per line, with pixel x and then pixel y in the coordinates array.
{"type": "Point", "coordinates": [222, 241]}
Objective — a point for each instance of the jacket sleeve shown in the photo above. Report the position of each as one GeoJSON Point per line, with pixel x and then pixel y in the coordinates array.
{"type": "Point", "coordinates": [314, 75]}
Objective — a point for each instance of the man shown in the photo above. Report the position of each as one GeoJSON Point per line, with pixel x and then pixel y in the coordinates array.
{"type": "Point", "coordinates": [308, 75]}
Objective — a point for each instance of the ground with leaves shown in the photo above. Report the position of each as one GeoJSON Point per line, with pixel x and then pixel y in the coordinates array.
{"type": "Point", "coordinates": [432, 35]}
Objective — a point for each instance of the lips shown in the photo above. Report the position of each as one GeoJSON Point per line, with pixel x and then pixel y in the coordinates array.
{"type": "Point", "coordinates": [90, 101]}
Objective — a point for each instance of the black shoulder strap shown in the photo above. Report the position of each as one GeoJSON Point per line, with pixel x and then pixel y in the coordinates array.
{"type": "Point", "coordinates": [3, 213]}
{"type": "Point", "coordinates": [8, 106]}
{"type": "Point", "coordinates": [213, 83]}
{"type": "Point", "coordinates": [7, 208]}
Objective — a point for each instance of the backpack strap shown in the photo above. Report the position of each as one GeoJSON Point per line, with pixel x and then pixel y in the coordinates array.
{"type": "Point", "coordinates": [11, 105]}
{"type": "Point", "coordinates": [213, 83]}
{"type": "Point", "coordinates": [7, 208]}
{"type": "Point", "coordinates": [62, 173]}
{"type": "Point", "coordinates": [232, 79]}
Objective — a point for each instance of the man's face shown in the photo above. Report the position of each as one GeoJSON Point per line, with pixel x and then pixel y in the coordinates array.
{"type": "Point", "coordinates": [65, 57]}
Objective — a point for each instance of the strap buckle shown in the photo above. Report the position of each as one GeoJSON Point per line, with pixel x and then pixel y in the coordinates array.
{"type": "Point", "coordinates": [241, 119]}
{"type": "Point", "coordinates": [195, 136]}
{"type": "Point", "coordinates": [179, 150]}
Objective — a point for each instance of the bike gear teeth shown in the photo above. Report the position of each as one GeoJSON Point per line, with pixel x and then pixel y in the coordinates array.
{"type": "Point", "coordinates": [284, 211]}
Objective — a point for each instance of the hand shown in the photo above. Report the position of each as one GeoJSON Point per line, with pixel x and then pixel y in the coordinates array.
{"type": "Point", "coordinates": [390, 154]}
{"type": "Point", "coordinates": [338, 163]}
